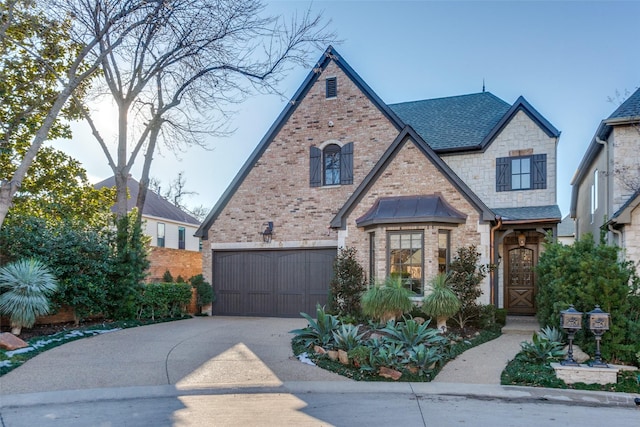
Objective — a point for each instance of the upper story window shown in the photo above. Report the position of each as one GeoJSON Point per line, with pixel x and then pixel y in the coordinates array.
{"type": "Point", "coordinates": [332, 87]}
{"type": "Point", "coordinates": [521, 173]}
{"type": "Point", "coordinates": [332, 165]}
{"type": "Point", "coordinates": [594, 195]}
{"type": "Point", "coordinates": [160, 237]}
{"type": "Point", "coordinates": [181, 237]}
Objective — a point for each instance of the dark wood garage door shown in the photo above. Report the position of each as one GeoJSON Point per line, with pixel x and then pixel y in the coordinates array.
{"type": "Point", "coordinates": [277, 283]}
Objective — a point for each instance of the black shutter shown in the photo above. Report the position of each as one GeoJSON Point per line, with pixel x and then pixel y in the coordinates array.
{"type": "Point", "coordinates": [346, 164]}
{"type": "Point", "coordinates": [539, 171]}
{"type": "Point", "coordinates": [503, 174]}
{"type": "Point", "coordinates": [315, 167]}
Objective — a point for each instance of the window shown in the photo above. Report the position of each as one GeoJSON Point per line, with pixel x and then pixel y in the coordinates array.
{"type": "Point", "coordinates": [521, 173]}
{"type": "Point", "coordinates": [594, 196]}
{"type": "Point", "coordinates": [444, 251]}
{"type": "Point", "coordinates": [332, 87]}
{"type": "Point", "coordinates": [372, 258]}
{"type": "Point", "coordinates": [405, 258]}
{"type": "Point", "coordinates": [331, 166]}
{"type": "Point", "coordinates": [160, 241]}
{"type": "Point", "coordinates": [181, 237]}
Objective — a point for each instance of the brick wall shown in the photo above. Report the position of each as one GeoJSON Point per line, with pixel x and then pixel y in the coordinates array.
{"type": "Point", "coordinates": [277, 187]}
{"type": "Point", "coordinates": [178, 262]}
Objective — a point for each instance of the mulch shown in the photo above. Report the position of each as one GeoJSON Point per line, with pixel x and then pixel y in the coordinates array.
{"type": "Point", "coordinates": [51, 328]}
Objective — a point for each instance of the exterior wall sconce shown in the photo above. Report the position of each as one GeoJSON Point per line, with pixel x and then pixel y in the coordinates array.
{"type": "Point", "coordinates": [522, 239]}
{"type": "Point", "coordinates": [267, 234]}
{"type": "Point", "coordinates": [570, 321]}
{"type": "Point", "coordinates": [598, 324]}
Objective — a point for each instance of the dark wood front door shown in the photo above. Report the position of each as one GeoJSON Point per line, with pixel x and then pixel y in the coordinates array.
{"type": "Point", "coordinates": [520, 283]}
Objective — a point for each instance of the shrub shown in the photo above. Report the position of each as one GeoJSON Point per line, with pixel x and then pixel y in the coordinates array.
{"type": "Point", "coordinates": [347, 284]}
{"type": "Point", "coordinates": [465, 277]}
{"type": "Point", "coordinates": [442, 302]}
{"type": "Point", "coordinates": [389, 300]}
{"type": "Point", "coordinates": [204, 291]}
{"type": "Point", "coordinates": [159, 300]}
{"type": "Point", "coordinates": [27, 286]}
{"type": "Point", "coordinates": [587, 274]}
{"type": "Point", "coordinates": [167, 277]}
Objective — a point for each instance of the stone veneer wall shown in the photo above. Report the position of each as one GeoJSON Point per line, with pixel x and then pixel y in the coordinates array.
{"type": "Point", "coordinates": [478, 171]}
{"type": "Point", "coordinates": [277, 187]}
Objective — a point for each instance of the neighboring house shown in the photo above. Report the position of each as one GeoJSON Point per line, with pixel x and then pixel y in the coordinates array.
{"type": "Point", "coordinates": [171, 232]}
{"type": "Point", "coordinates": [406, 184]}
{"type": "Point", "coordinates": [567, 231]}
{"type": "Point", "coordinates": [606, 187]}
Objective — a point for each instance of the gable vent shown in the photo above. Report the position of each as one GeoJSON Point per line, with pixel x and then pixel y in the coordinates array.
{"type": "Point", "coordinates": [332, 87]}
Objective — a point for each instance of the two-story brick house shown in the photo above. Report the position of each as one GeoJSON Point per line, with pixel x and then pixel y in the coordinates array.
{"type": "Point", "coordinates": [606, 187]}
{"type": "Point", "coordinates": [406, 184]}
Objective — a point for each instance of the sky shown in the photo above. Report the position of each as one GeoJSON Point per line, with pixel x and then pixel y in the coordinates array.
{"type": "Point", "coordinates": [567, 58]}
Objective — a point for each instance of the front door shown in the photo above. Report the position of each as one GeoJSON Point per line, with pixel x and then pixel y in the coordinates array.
{"type": "Point", "coordinates": [520, 283]}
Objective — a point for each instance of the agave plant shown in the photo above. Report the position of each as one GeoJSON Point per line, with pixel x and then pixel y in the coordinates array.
{"type": "Point", "coordinates": [542, 349]}
{"type": "Point", "coordinates": [423, 358]}
{"type": "Point", "coordinates": [410, 333]}
{"type": "Point", "coordinates": [320, 330]}
{"type": "Point", "coordinates": [441, 303]}
{"type": "Point", "coordinates": [386, 301]}
{"type": "Point", "coordinates": [26, 285]}
{"type": "Point", "coordinates": [347, 337]}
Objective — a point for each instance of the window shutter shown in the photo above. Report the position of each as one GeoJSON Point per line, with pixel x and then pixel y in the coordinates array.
{"type": "Point", "coordinates": [346, 164]}
{"type": "Point", "coordinates": [539, 171]}
{"type": "Point", "coordinates": [315, 167]}
{"type": "Point", "coordinates": [503, 174]}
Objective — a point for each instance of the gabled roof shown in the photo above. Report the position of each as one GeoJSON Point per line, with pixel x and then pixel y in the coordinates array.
{"type": "Point", "coordinates": [567, 228]}
{"type": "Point", "coordinates": [550, 213]}
{"type": "Point", "coordinates": [329, 55]}
{"type": "Point", "coordinates": [623, 215]}
{"type": "Point", "coordinates": [154, 205]}
{"type": "Point", "coordinates": [408, 134]}
{"type": "Point", "coordinates": [403, 209]}
{"type": "Point", "coordinates": [627, 112]}
{"type": "Point", "coordinates": [465, 122]}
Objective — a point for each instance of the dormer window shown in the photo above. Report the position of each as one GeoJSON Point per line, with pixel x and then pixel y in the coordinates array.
{"type": "Point", "coordinates": [332, 87]}
{"type": "Point", "coordinates": [331, 165]}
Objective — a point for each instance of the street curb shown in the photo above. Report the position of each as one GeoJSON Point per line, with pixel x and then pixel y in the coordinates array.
{"type": "Point", "coordinates": [470, 391]}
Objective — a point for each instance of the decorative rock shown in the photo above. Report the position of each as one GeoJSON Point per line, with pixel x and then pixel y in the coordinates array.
{"type": "Point", "coordinates": [343, 357]}
{"type": "Point", "coordinates": [9, 341]}
{"type": "Point", "coordinates": [333, 355]}
{"type": "Point", "coordinates": [578, 355]}
{"type": "Point", "coordinates": [419, 320]}
{"type": "Point", "coordinates": [319, 350]}
{"type": "Point", "coordinates": [390, 373]}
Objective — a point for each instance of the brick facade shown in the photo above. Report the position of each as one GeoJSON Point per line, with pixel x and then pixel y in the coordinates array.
{"type": "Point", "coordinates": [179, 263]}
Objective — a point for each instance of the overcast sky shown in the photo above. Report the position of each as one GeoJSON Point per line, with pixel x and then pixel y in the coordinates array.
{"type": "Point", "coordinates": [566, 58]}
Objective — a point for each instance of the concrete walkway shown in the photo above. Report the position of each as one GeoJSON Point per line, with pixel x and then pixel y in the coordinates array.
{"type": "Point", "coordinates": [484, 364]}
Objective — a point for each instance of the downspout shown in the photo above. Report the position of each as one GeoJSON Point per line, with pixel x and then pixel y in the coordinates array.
{"type": "Point", "coordinates": [617, 233]}
{"type": "Point", "coordinates": [493, 290]}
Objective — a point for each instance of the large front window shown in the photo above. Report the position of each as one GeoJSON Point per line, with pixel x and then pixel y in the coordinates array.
{"type": "Point", "coordinates": [405, 259]}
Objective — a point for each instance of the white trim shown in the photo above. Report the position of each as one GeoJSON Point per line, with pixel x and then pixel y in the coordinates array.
{"type": "Point", "coordinates": [323, 145]}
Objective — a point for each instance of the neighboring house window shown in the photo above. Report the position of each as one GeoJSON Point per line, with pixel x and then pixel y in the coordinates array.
{"type": "Point", "coordinates": [331, 166]}
{"type": "Point", "coordinates": [332, 87]}
{"type": "Point", "coordinates": [160, 242]}
{"type": "Point", "coordinates": [521, 173]}
{"type": "Point", "coordinates": [405, 258]}
{"type": "Point", "coordinates": [181, 237]}
{"type": "Point", "coordinates": [372, 258]}
{"type": "Point", "coordinates": [444, 250]}
{"type": "Point", "coordinates": [594, 196]}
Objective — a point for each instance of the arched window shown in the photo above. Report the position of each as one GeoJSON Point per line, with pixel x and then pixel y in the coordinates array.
{"type": "Point", "coordinates": [331, 162]}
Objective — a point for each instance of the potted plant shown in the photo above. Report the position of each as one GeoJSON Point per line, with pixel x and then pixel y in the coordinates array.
{"type": "Point", "coordinates": [387, 301]}
{"type": "Point", "coordinates": [441, 303]}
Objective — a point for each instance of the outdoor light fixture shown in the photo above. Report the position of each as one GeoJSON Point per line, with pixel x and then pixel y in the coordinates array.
{"type": "Point", "coordinates": [522, 239]}
{"type": "Point", "coordinates": [267, 234]}
{"type": "Point", "coordinates": [571, 321]}
{"type": "Point", "coordinates": [598, 324]}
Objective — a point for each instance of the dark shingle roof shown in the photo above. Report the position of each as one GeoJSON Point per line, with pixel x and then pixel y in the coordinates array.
{"type": "Point", "coordinates": [529, 213]}
{"type": "Point", "coordinates": [567, 227]}
{"type": "Point", "coordinates": [154, 205]}
{"type": "Point", "coordinates": [629, 108]}
{"type": "Point", "coordinates": [454, 122]}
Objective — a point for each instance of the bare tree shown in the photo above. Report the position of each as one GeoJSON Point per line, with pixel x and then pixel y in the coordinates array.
{"type": "Point", "coordinates": [88, 23]}
{"type": "Point", "coordinates": [174, 78]}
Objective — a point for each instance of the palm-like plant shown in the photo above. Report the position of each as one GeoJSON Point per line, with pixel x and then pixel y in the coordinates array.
{"type": "Point", "coordinates": [26, 285]}
{"type": "Point", "coordinates": [387, 301]}
{"type": "Point", "coordinates": [441, 303]}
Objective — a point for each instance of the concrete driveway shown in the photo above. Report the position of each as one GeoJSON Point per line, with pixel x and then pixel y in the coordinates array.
{"type": "Point", "coordinates": [202, 352]}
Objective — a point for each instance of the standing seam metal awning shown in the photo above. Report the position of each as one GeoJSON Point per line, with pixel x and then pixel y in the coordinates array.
{"type": "Point", "coordinates": [425, 208]}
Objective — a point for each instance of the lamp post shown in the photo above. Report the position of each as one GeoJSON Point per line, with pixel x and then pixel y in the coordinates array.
{"type": "Point", "coordinates": [598, 324]}
{"type": "Point", "coordinates": [570, 321]}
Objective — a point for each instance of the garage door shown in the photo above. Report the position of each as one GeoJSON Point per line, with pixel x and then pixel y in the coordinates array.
{"type": "Point", "coordinates": [279, 283]}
